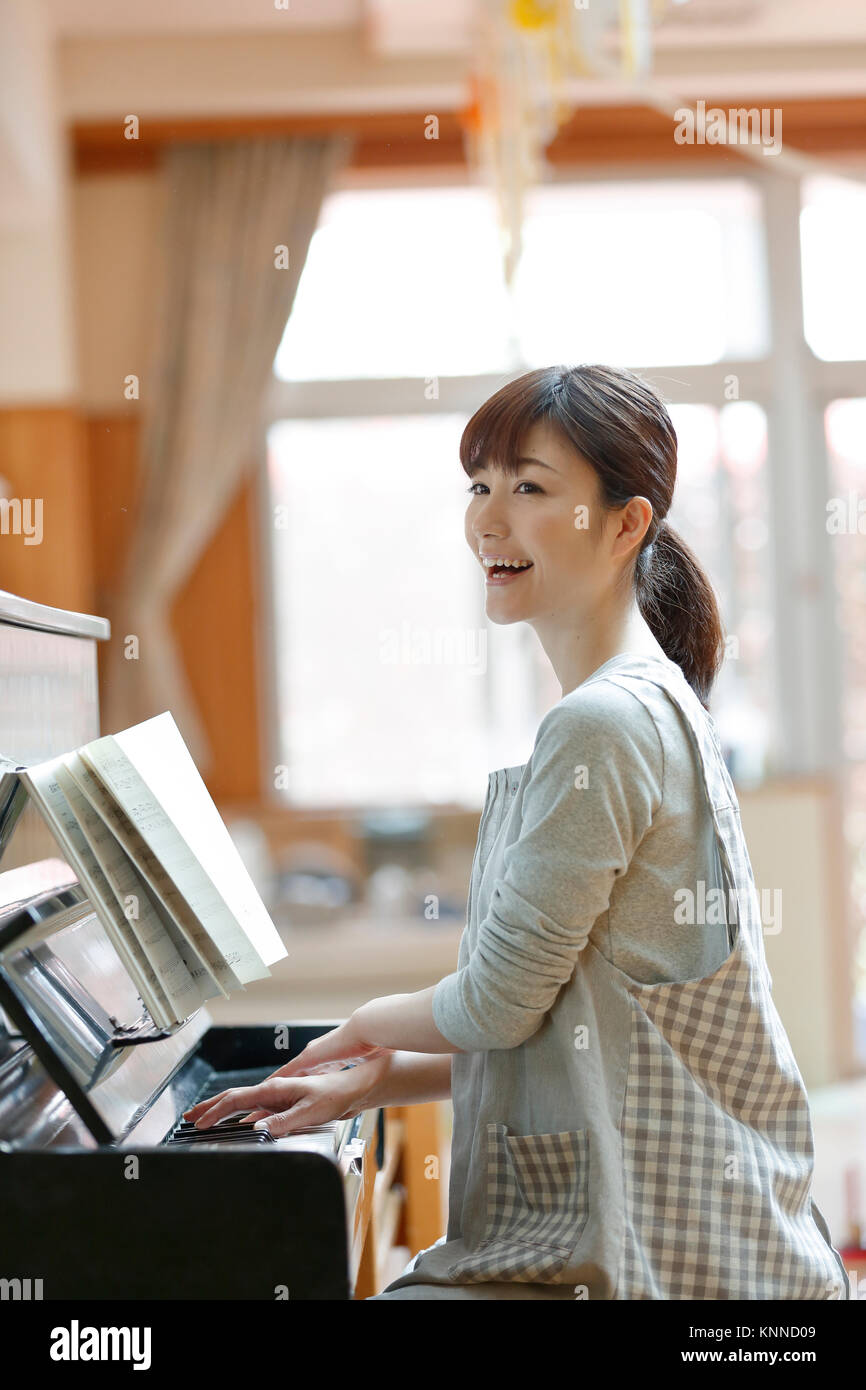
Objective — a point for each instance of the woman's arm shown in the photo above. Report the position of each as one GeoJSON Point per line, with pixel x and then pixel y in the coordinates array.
{"type": "Point", "coordinates": [408, 1078]}
{"type": "Point", "coordinates": [394, 1023]}
{"type": "Point", "coordinates": [596, 782]}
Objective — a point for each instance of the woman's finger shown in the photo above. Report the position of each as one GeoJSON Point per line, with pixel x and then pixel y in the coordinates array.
{"type": "Point", "coordinates": [286, 1122]}
{"type": "Point", "coordinates": [241, 1099]}
{"type": "Point", "coordinates": [202, 1105]}
{"type": "Point", "coordinates": [321, 1069]}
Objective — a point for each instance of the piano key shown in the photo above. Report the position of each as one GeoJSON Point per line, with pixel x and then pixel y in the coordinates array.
{"type": "Point", "coordinates": [227, 1127]}
{"type": "Point", "coordinates": [212, 1137]}
{"type": "Point", "coordinates": [189, 1127]}
{"type": "Point", "coordinates": [219, 1133]}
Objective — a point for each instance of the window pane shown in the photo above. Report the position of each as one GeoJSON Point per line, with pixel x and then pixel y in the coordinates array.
{"type": "Point", "coordinates": [399, 283]}
{"type": "Point", "coordinates": [845, 426]}
{"type": "Point", "coordinates": [721, 507]}
{"type": "Point", "coordinates": [832, 237]}
{"type": "Point", "coordinates": [408, 282]}
{"type": "Point", "coordinates": [650, 273]}
{"type": "Point", "coordinates": [385, 662]}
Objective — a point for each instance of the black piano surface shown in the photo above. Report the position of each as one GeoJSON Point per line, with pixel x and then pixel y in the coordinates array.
{"type": "Point", "coordinates": [98, 1200]}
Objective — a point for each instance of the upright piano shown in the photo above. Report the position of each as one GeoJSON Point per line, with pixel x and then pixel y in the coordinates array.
{"type": "Point", "coordinates": [105, 1193]}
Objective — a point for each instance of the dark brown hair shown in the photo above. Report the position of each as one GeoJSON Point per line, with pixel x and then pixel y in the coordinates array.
{"type": "Point", "coordinates": [620, 425]}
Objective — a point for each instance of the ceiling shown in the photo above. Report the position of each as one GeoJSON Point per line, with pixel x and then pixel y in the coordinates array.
{"type": "Point", "coordinates": [182, 57]}
{"type": "Point", "coordinates": [100, 18]}
{"type": "Point", "coordinates": [443, 25]}
{"type": "Point", "coordinates": [67, 62]}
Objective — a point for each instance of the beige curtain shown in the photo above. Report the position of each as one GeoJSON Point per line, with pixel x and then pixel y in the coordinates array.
{"type": "Point", "coordinates": [221, 309]}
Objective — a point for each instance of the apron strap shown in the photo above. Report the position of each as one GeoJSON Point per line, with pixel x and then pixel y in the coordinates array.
{"type": "Point", "coordinates": [718, 787]}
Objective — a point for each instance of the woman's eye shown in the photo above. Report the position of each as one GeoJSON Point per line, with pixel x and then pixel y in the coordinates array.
{"type": "Point", "coordinates": [472, 486]}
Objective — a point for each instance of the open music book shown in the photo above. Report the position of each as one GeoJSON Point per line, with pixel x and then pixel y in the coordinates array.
{"type": "Point", "coordinates": [137, 824]}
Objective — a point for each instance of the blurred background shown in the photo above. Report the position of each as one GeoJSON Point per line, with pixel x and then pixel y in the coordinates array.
{"type": "Point", "coordinates": [259, 262]}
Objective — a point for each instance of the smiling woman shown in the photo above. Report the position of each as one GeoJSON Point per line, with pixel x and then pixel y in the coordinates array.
{"type": "Point", "coordinates": [629, 1118]}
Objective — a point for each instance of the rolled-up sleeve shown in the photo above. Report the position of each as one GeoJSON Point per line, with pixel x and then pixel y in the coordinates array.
{"type": "Point", "coordinates": [596, 779]}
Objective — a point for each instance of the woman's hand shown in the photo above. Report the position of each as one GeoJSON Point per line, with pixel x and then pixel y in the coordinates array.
{"type": "Point", "coordinates": [368, 1039]}
{"type": "Point", "coordinates": [283, 1104]}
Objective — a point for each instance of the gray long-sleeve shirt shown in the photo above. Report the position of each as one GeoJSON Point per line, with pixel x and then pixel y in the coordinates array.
{"type": "Point", "coordinates": [629, 1120]}
{"type": "Point", "coordinates": [606, 821]}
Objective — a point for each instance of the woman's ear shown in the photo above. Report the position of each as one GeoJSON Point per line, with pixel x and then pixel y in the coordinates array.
{"type": "Point", "coordinates": [635, 517]}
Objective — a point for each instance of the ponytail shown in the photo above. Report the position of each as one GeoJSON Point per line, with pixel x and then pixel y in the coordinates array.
{"type": "Point", "coordinates": [679, 606]}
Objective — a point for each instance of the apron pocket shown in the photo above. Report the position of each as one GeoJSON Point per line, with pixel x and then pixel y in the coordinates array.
{"type": "Point", "coordinates": [537, 1205]}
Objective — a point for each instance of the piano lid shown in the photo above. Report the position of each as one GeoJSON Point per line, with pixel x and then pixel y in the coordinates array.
{"type": "Point", "coordinates": [23, 612]}
{"type": "Point", "coordinates": [63, 986]}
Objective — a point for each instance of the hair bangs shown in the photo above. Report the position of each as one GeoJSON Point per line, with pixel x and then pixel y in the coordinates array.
{"type": "Point", "coordinates": [493, 435]}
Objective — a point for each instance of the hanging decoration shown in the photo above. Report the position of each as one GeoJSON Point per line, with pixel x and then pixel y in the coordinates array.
{"type": "Point", "coordinates": [527, 51]}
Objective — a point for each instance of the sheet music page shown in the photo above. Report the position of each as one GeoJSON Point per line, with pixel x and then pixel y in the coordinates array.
{"type": "Point", "coordinates": [176, 910]}
{"type": "Point", "coordinates": [49, 796]}
{"type": "Point", "coordinates": [185, 992]}
{"type": "Point", "coordinates": [149, 770]}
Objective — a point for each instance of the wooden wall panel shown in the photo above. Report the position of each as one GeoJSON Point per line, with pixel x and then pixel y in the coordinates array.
{"type": "Point", "coordinates": [112, 446]}
{"type": "Point", "coordinates": [43, 457]}
{"type": "Point", "coordinates": [389, 140]}
{"type": "Point", "coordinates": [215, 620]}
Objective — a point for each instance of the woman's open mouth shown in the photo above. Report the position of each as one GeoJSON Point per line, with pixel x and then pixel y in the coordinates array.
{"type": "Point", "coordinates": [500, 572]}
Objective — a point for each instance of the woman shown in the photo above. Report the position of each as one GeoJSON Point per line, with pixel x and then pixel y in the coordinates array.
{"type": "Point", "coordinates": [629, 1120]}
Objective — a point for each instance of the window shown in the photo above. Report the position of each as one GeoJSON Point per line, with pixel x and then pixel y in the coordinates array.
{"type": "Point", "coordinates": [833, 234]}
{"type": "Point", "coordinates": [646, 273]}
{"type": "Point", "coordinates": [845, 424]}
{"type": "Point", "coordinates": [417, 696]}
{"type": "Point", "coordinates": [409, 692]}
{"type": "Point", "coordinates": [399, 283]}
{"type": "Point", "coordinates": [402, 326]}
{"type": "Point", "coordinates": [653, 272]}
{"type": "Point", "coordinates": [722, 509]}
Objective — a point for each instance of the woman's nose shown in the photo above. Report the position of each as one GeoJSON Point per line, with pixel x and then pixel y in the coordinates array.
{"type": "Point", "coordinates": [489, 521]}
{"type": "Point", "coordinates": [489, 535]}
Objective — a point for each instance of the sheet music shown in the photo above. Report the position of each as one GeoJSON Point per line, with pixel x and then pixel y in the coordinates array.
{"type": "Point", "coordinates": [160, 756]}
{"type": "Point", "coordinates": [150, 771]}
{"type": "Point", "coordinates": [172, 902]}
{"type": "Point", "coordinates": [49, 797]}
{"type": "Point", "coordinates": [185, 992]}
{"type": "Point", "coordinates": [174, 854]}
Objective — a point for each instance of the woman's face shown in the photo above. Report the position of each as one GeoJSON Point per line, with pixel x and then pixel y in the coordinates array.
{"type": "Point", "coordinates": [544, 514]}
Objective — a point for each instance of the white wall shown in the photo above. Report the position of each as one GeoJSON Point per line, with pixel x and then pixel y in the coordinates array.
{"type": "Point", "coordinates": [793, 834]}
{"type": "Point", "coordinates": [37, 360]}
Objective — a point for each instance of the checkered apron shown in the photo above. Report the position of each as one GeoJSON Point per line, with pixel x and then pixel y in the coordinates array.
{"type": "Point", "coordinates": [673, 1159]}
{"type": "Point", "coordinates": [717, 1137]}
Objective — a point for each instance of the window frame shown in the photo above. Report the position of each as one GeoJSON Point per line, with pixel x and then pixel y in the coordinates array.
{"type": "Point", "coordinates": [791, 384]}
